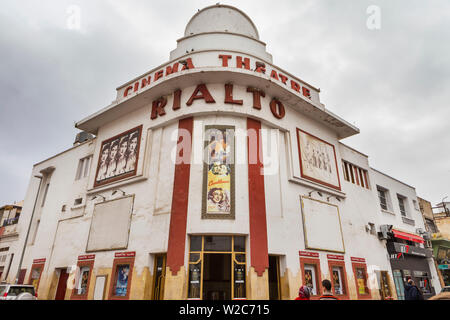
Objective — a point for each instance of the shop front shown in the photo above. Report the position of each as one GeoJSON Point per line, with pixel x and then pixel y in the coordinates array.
{"type": "Point", "coordinates": [441, 252]}
{"type": "Point", "coordinates": [408, 260]}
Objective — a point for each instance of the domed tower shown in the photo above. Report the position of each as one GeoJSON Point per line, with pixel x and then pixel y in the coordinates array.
{"type": "Point", "coordinates": [224, 147]}
{"type": "Point", "coordinates": [219, 26]}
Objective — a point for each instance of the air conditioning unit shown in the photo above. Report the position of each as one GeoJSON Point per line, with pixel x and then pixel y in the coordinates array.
{"type": "Point", "coordinates": [426, 235]}
{"type": "Point", "coordinates": [385, 232]}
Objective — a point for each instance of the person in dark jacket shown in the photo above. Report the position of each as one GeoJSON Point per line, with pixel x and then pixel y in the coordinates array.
{"type": "Point", "coordinates": [411, 291]}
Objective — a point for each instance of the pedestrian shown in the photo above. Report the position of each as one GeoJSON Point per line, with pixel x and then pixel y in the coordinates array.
{"type": "Point", "coordinates": [327, 294]}
{"type": "Point", "coordinates": [412, 292]}
{"type": "Point", "coordinates": [304, 293]}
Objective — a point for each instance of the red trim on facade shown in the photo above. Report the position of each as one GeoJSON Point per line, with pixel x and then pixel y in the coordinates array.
{"type": "Point", "coordinates": [37, 264]}
{"type": "Point", "coordinates": [360, 260]}
{"type": "Point", "coordinates": [335, 257]}
{"type": "Point", "coordinates": [338, 263]}
{"type": "Point", "coordinates": [86, 257]}
{"type": "Point", "coordinates": [316, 263]}
{"type": "Point", "coordinates": [257, 201]}
{"type": "Point", "coordinates": [85, 261]}
{"type": "Point", "coordinates": [308, 254]}
{"type": "Point", "coordinates": [367, 296]}
{"type": "Point", "coordinates": [178, 217]}
{"type": "Point", "coordinates": [130, 254]}
{"type": "Point", "coordinates": [407, 236]}
{"type": "Point", "coordinates": [112, 285]}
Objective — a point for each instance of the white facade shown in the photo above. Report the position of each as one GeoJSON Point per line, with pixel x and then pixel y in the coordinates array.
{"type": "Point", "coordinates": [220, 47]}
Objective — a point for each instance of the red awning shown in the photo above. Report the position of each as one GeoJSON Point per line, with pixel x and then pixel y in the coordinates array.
{"type": "Point", "coordinates": [407, 236]}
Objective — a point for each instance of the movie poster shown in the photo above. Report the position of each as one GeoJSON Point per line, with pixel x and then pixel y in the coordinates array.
{"type": "Point", "coordinates": [219, 173]}
{"type": "Point", "coordinates": [118, 157]}
{"type": "Point", "coordinates": [122, 280]}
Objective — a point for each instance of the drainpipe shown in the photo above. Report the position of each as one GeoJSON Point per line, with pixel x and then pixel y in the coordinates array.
{"type": "Point", "coordinates": [28, 232]}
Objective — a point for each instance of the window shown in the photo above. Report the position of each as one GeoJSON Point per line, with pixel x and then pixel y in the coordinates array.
{"type": "Point", "coordinates": [45, 194]}
{"type": "Point", "coordinates": [355, 174]}
{"type": "Point", "coordinates": [78, 202]}
{"type": "Point", "coordinates": [83, 168]}
{"type": "Point", "coordinates": [401, 204]}
{"type": "Point", "coordinates": [382, 196]}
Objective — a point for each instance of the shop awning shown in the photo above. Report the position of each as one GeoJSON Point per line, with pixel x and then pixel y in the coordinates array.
{"type": "Point", "coordinates": [407, 236]}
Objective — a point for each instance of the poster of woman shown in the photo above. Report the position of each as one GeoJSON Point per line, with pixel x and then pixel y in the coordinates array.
{"type": "Point", "coordinates": [118, 157]}
{"type": "Point", "coordinates": [219, 175]}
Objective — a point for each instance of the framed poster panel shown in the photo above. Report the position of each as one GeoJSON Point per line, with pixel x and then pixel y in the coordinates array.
{"type": "Point", "coordinates": [118, 158]}
{"type": "Point", "coordinates": [319, 235]}
{"type": "Point", "coordinates": [317, 160]}
{"type": "Point", "coordinates": [218, 173]}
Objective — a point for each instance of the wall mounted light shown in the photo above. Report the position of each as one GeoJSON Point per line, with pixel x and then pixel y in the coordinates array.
{"type": "Point", "coordinates": [337, 198]}
{"type": "Point", "coordinates": [115, 191]}
{"type": "Point", "coordinates": [98, 195]}
{"type": "Point", "coordinates": [318, 192]}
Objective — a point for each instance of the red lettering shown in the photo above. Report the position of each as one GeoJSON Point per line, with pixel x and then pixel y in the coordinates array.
{"type": "Point", "coordinates": [229, 95]}
{"type": "Point", "coordinates": [277, 109]}
{"type": "Point", "coordinates": [136, 86]}
{"type": "Point", "coordinates": [295, 86]}
{"type": "Point", "coordinates": [187, 64]}
{"type": "Point", "coordinates": [257, 94]}
{"type": "Point", "coordinates": [240, 63]}
{"type": "Point", "coordinates": [306, 92]}
{"type": "Point", "coordinates": [145, 82]}
{"type": "Point", "coordinates": [283, 78]}
{"type": "Point", "coordinates": [225, 59]}
{"type": "Point", "coordinates": [201, 92]}
{"type": "Point", "coordinates": [125, 93]}
{"type": "Point", "coordinates": [158, 108]}
{"type": "Point", "coordinates": [274, 74]}
{"type": "Point", "coordinates": [260, 67]}
{"type": "Point", "coordinates": [170, 70]}
{"type": "Point", "coordinates": [176, 100]}
{"type": "Point", "coordinates": [159, 75]}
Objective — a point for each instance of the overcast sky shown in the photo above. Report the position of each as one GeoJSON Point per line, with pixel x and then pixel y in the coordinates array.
{"type": "Point", "coordinates": [392, 82]}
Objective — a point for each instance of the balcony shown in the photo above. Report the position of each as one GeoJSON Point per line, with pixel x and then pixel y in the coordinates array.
{"type": "Point", "coordinates": [10, 222]}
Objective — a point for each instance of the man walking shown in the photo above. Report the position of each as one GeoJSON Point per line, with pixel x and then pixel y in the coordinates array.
{"type": "Point", "coordinates": [327, 294]}
{"type": "Point", "coordinates": [411, 291]}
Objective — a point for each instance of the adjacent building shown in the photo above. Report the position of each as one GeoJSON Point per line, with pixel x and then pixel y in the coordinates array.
{"type": "Point", "coordinates": [9, 219]}
{"type": "Point", "coordinates": [441, 240]}
{"type": "Point", "coordinates": [218, 175]}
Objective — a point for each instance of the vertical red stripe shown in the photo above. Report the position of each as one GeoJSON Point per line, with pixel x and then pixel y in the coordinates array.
{"type": "Point", "coordinates": [178, 216]}
{"type": "Point", "coordinates": [257, 202]}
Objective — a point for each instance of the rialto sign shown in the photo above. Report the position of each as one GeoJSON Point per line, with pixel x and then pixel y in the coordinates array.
{"type": "Point", "coordinates": [201, 92]}
{"type": "Point", "coordinates": [219, 61]}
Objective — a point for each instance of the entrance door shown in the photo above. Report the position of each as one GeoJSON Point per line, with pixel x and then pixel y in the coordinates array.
{"type": "Point", "coordinates": [274, 278]}
{"type": "Point", "coordinates": [159, 277]}
{"type": "Point", "coordinates": [62, 284]}
{"type": "Point", "coordinates": [217, 276]}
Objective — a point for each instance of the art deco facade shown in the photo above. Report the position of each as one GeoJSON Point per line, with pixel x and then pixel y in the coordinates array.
{"type": "Point", "coordinates": [216, 175]}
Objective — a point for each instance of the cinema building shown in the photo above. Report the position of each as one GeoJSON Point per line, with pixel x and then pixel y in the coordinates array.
{"type": "Point", "coordinates": [216, 175]}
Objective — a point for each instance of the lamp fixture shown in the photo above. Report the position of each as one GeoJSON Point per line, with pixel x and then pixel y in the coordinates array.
{"type": "Point", "coordinates": [337, 198]}
{"type": "Point", "coordinates": [311, 192]}
{"type": "Point", "coordinates": [98, 195]}
{"type": "Point", "coordinates": [115, 191]}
